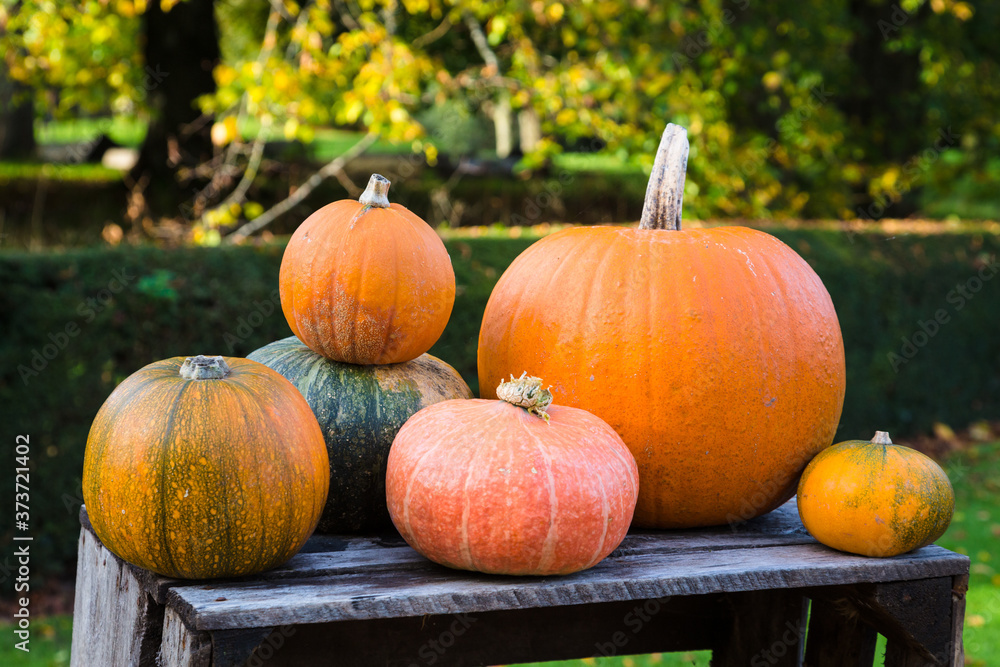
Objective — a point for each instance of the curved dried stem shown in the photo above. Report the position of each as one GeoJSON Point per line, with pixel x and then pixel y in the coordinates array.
{"type": "Point", "coordinates": [665, 192]}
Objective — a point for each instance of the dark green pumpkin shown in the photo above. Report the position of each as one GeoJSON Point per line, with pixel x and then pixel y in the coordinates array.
{"type": "Point", "coordinates": [360, 409]}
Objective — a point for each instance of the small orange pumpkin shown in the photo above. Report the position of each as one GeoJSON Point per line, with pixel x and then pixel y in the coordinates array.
{"type": "Point", "coordinates": [716, 354]}
{"type": "Point", "coordinates": [875, 498]}
{"type": "Point", "coordinates": [367, 282]}
{"type": "Point", "coordinates": [515, 486]}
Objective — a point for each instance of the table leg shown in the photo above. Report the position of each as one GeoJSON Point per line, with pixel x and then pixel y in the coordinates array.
{"type": "Point", "coordinates": [115, 622]}
{"type": "Point", "coordinates": [920, 619]}
{"type": "Point", "coordinates": [767, 628]}
{"type": "Point", "coordinates": [837, 635]}
{"type": "Point", "coordinates": [183, 647]}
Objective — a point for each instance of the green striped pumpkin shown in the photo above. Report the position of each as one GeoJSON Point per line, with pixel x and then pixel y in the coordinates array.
{"type": "Point", "coordinates": [204, 467]}
{"type": "Point", "coordinates": [360, 409]}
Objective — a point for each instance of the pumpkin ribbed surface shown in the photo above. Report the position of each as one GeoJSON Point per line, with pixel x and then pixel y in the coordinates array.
{"type": "Point", "coordinates": [366, 284]}
{"type": "Point", "coordinates": [360, 409]}
{"type": "Point", "coordinates": [201, 478]}
{"type": "Point", "coordinates": [487, 486]}
{"type": "Point", "coordinates": [716, 354]}
{"type": "Point", "coordinates": [875, 499]}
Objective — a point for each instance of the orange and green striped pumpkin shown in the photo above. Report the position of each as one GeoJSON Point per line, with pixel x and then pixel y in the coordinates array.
{"type": "Point", "coordinates": [875, 498]}
{"type": "Point", "coordinates": [205, 467]}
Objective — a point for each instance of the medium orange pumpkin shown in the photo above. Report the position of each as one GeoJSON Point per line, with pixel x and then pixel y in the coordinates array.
{"type": "Point", "coordinates": [715, 353]}
{"type": "Point", "coordinates": [205, 467]}
{"type": "Point", "coordinates": [515, 486]}
{"type": "Point", "coordinates": [366, 282]}
{"type": "Point", "coordinates": [875, 498]}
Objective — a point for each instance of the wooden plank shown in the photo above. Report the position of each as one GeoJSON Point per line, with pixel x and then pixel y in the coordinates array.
{"type": "Point", "coordinates": [328, 555]}
{"type": "Point", "coordinates": [502, 637]}
{"type": "Point", "coordinates": [900, 654]}
{"type": "Point", "coordinates": [115, 622]}
{"type": "Point", "coordinates": [181, 647]}
{"type": "Point", "coordinates": [318, 564]}
{"type": "Point", "coordinates": [916, 619]}
{"type": "Point", "coordinates": [232, 648]}
{"type": "Point", "coordinates": [334, 555]}
{"type": "Point", "coordinates": [223, 605]}
{"type": "Point", "coordinates": [959, 587]}
{"type": "Point", "coordinates": [766, 628]}
{"type": "Point", "coordinates": [837, 635]}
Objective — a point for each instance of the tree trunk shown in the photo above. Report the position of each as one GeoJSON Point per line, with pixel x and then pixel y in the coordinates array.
{"type": "Point", "coordinates": [503, 125]}
{"type": "Point", "coordinates": [529, 129]}
{"type": "Point", "coordinates": [17, 119]}
{"type": "Point", "coordinates": [181, 50]}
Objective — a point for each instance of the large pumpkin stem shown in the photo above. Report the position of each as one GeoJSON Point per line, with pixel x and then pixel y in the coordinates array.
{"type": "Point", "coordinates": [526, 392]}
{"type": "Point", "coordinates": [665, 191]}
{"type": "Point", "coordinates": [881, 438]}
{"type": "Point", "coordinates": [204, 368]}
{"type": "Point", "coordinates": [376, 194]}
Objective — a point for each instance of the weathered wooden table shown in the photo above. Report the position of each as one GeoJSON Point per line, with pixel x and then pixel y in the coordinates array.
{"type": "Point", "coordinates": [743, 592]}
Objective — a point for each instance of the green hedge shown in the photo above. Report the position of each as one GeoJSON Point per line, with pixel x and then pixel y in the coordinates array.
{"type": "Point", "coordinates": [75, 324]}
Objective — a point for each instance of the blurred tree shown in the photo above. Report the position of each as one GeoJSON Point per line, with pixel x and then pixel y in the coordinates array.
{"type": "Point", "coordinates": [801, 108]}
{"type": "Point", "coordinates": [180, 49]}
{"type": "Point", "coordinates": [129, 57]}
{"type": "Point", "coordinates": [17, 119]}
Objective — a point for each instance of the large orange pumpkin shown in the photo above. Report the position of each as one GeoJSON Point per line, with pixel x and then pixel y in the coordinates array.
{"type": "Point", "coordinates": [715, 353]}
{"type": "Point", "coordinates": [366, 282]}
{"type": "Point", "coordinates": [514, 486]}
{"type": "Point", "coordinates": [205, 467]}
{"type": "Point", "coordinates": [875, 498]}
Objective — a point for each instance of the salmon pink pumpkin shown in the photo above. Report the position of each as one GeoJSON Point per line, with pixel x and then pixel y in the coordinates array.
{"type": "Point", "coordinates": [512, 486]}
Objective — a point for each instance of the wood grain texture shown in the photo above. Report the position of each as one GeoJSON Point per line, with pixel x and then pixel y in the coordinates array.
{"type": "Point", "coordinates": [959, 588]}
{"type": "Point", "coordinates": [115, 621]}
{"type": "Point", "coordinates": [766, 628]}
{"type": "Point", "coordinates": [837, 635]}
{"type": "Point", "coordinates": [920, 631]}
{"type": "Point", "coordinates": [441, 591]}
{"type": "Point", "coordinates": [232, 648]}
{"type": "Point", "coordinates": [181, 647]}
{"type": "Point", "coordinates": [327, 555]}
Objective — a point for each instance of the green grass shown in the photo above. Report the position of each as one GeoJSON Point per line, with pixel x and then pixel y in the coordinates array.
{"type": "Point", "coordinates": [330, 143]}
{"type": "Point", "coordinates": [975, 531]}
{"type": "Point", "coordinates": [125, 130]}
{"type": "Point", "coordinates": [49, 643]}
{"type": "Point", "coordinates": [597, 163]}
{"type": "Point", "coordinates": [70, 172]}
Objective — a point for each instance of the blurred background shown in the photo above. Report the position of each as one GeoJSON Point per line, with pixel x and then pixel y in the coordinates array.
{"type": "Point", "coordinates": [155, 155]}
